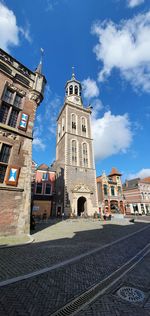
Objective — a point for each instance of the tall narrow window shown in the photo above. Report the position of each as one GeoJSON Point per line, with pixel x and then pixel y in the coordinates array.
{"type": "Point", "coordinates": [4, 158]}
{"type": "Point", "coordinates": [39, 188]}
{"type": "Point", "coordinates": [8, 96]}
{"type": "Point", "coordinates": [59, 130]}
{"type": "Point", "coordinates": [13, 118]}
{"type": "Point", "coordinates": [4, 113]}
{"type": "Point", "coordinates": [73, 123]}
{"type": "Point", "coordinates": [48, 188]}
{"type": "Point", "coordinates": [85, 155]}
{"type": "Point", "coordinates": [119, 190]}
{"type": "Point", "coordinates": [17, 101]}
{"type": "Point", "coordinates": [74, 152]}
{"type": "Point", "coordinates": [63, 125]}
{"type": "Point", "coordinates": [9, 110]}
{"type": "Point", "coordinates": [83, 127]}
{"type": "Point", "coordinates": [112, 190]}
{"type": "Point", "coordinates": [76, 90]}
{"type": "Point", "coordinates": [71, 89]}
{"type": "Point", "coordinates": [105, 189]}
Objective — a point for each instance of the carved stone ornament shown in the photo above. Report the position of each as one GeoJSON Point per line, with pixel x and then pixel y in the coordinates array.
{"type": "Point", "coordinates": [8, 135]}
{"type": "Point", "coordinates": [24, 70]}
{"type": "Point", "coordinates": [81, 188]}
{"type": "Point", "coordinates": [15, 89]}
{"type": "Point", "coordinates": [6, 57]}
{"type": "Point", "coordinates": [35, 97]}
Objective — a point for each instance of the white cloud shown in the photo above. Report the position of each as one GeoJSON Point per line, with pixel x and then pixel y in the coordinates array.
{"type": "Point", "coordinates": [9, 30]}
{"type": "Point", "coordinates": [97, 106]}
{"type": "Point", "coordinates": [38, 143]}
{"type": "Point", "coordinates": [112, 135]}
{"type": "Point", "coordinates": [26, 32]}
{"type": "Point", "coordinates": [143, 173]}
{"type": "Point", "coordinates": [90, 88]}
{"type": "Point", "coordinates": [134, 3]}
{"type": "Point", "coordinates": [125, 46]}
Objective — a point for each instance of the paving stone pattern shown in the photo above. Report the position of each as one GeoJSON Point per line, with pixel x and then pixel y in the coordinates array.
{"type": "Point", "coordinates": [44, 294]}
{"type": "Point", "coordinates": [21, 260]}
{"type": "Point", "coordinates": [111, 304]}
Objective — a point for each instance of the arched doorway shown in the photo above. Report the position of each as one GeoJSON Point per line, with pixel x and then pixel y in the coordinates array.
{"type": "Point", "coordinates": [114, 206]}
{"type": "Point", "coordinates": [81, 205]}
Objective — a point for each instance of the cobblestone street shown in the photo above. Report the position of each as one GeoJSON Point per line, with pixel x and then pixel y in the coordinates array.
{"type": "Point", "coordinates": [65, 260]}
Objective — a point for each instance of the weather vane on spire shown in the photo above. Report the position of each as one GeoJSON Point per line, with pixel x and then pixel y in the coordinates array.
{"type": "Point", "coordinates": [73, 74]}
{"type": "Point", "coordinates": [39, 68]}
{"type": "Point", "coordinates": [42, 52]}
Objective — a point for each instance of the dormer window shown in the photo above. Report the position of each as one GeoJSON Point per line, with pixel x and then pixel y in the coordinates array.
{"type": "Point", "coordinates": [76, 90]}
{"type": "Point", "coordinates": [71, 89]}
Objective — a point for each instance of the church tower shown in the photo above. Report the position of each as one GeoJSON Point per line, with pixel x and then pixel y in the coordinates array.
{"type": "Point", "coordinates": [76, 191]}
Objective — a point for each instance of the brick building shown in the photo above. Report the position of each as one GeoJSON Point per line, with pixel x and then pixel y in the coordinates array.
{"type": "Point", "coordinates": [110, 193]}
{"type": "Point", "coordinates": [43, 191]}
{"type": "Point", "coordinates": [21, 91]}
{"type": "Point", "coordinates": [137, 196]}
{"type": "Point", "coordinates": [76, 192]}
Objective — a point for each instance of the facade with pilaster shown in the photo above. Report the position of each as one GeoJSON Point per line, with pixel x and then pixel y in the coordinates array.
{"type": "Point", "coordinates": [21, 91]}
{"type": "Point", "coordinates": [76, 192]}
{"type": "Point", "coordinates": [137, 196]}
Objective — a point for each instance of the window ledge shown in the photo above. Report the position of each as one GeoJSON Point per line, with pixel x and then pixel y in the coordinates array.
{"type": "Point", "coordinates": [10, 188]}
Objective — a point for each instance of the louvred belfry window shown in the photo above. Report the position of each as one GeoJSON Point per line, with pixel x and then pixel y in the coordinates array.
{"type": "Point", "coordinates": [85, 155]}
{"type": "Point", "coordinates": [74, 152]}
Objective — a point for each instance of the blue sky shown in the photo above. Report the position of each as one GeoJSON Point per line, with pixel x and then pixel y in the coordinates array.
{"type": "Point", "coordinates": [108, 42]}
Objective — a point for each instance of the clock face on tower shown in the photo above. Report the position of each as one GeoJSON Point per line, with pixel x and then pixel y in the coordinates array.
{"type": "Point", "coordinates": [76, 99]}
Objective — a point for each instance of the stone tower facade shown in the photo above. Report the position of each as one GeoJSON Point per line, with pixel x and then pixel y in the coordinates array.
{"type": "Point", "coordinates": [76, 191]}
{"type": "Point", "coordinates": [21, 91]}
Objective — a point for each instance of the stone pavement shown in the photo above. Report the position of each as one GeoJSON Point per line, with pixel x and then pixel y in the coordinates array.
{"type": "Point", "coordinates": [59, 242]}
{"type": "Point", "coordinates": [112, 304]}
{"type": "Point", "coordinates": [46, 293]}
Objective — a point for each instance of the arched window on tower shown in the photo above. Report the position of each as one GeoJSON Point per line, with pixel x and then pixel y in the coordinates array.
{"type": "Point", "coordinates": [74, 152]}
{"type": "Point", "coordinates": [63, 125]}
{"type": "Point", "coordinates": [85, 154]}
{"type": "Point", "coordinates": [71, 89]}
{"type": "Point", "coordinates": [83, 126]}
{"type": "Point", "coordinates": [67, 91]}
{"type": "Point", "coordinates": [76, 90]}
{"type": "Point", "coordinates": [59, 131]}
{"type": "Point", "coordinates": [74, 124]}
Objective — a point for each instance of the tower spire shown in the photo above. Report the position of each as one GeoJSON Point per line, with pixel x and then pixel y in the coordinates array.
{"type": "Point", "coordinates": [39, 67]}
